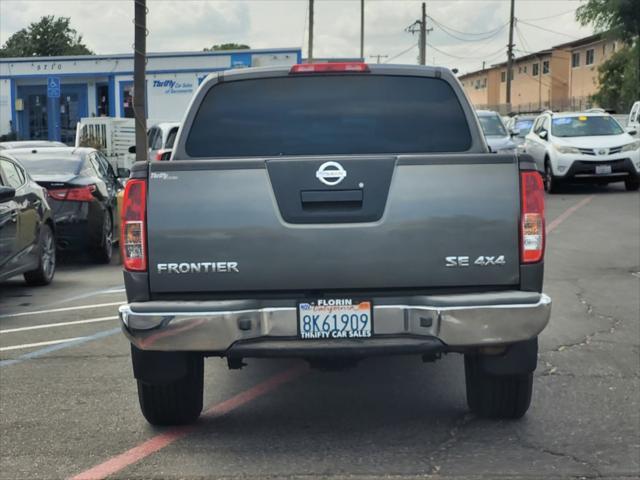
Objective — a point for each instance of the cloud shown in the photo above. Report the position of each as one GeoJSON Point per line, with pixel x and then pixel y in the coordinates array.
{"type": "Point", "coordinates": [107, 26]}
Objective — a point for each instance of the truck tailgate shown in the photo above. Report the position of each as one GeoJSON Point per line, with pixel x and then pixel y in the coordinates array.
{"type": "Point", "coordinates": [391, 222]}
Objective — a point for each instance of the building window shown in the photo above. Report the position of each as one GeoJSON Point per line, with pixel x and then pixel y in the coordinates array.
{"type": "Point", "coordinates": [575, 59]}
{"type": "Point", "coordinates": [535, 69]}
{"type": "Point", "coordinates": [591, 54]}
{"type": "Point", "coordinates": [519, 69]}
{"type": "Point", "coordinates": [503, 77]}
{"type": "Point", "coordinates": [524, 69]}
{"type": "Point", "coordinates": [545, 67]}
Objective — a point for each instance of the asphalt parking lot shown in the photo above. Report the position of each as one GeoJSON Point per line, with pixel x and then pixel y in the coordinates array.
{"type": "Point", "coordinates": [69, 405]}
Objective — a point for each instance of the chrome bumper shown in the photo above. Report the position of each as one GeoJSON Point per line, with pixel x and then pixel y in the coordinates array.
{"type": "Point", "coordinates": [454, 320]}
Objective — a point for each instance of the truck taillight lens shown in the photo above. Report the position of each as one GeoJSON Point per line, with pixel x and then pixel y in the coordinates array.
{"type": "Point", "coordinates": [133, 230]}
{"type": "Point", "coordinates": [532, 229]}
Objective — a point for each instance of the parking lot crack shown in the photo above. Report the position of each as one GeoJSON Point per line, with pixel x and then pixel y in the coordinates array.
{"type": "Point", "coordinates": [613, 323]}
{"type": "Point", "coordinates": [557, 453]}
{"type": "Point", "coordinates": [451, 441]}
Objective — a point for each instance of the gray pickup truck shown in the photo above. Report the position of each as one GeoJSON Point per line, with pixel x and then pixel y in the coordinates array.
{"type": "Point", "coordinates": [333, 212]}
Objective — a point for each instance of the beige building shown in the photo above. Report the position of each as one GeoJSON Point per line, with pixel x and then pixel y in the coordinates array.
{"type": "Point", "coordinates": [561, 78]}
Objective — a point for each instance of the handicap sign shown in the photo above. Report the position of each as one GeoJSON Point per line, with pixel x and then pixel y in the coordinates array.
{"type": "Point", "coordinates": [53, 87]}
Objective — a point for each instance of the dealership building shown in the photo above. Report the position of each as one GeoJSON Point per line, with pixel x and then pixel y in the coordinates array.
{"type": "Point", "coordinates": [44, 97]}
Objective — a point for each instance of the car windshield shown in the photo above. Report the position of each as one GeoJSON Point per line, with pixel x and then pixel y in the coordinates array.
{"type": "Point", "coordinates": [492, 126]}
{"type": "Point", "coordinates": [585, 126]}
{"type": "Point", "coordinates": [523, 126]}
{"type": "Point", "coordinates": [50, 165]}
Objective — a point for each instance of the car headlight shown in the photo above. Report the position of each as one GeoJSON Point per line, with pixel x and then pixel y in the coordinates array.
{"type": "Point", "coordinates": [565, 149]}
{"type": "Point", "coordinates": [630, 147]}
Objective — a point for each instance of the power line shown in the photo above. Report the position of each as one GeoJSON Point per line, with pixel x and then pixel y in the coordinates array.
{"type": "Point", "coordinates": [469, 33]}
{"type": "Point", "coordinates": [475, 57]}
{"type": "Point", "coordinates": [547, 29]}
{"type": "Point", "coordinates": [444, 28]}
{"type": "Point", "coordinates": [401, 53]}
{"type": "Point", "coordinates": [548, 17]}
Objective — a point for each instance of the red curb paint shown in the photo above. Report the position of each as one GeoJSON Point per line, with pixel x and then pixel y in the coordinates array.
{"type": "Point", "coordinates": [154, 444]}
{"type": "Point", "coordinates": [567, 213]}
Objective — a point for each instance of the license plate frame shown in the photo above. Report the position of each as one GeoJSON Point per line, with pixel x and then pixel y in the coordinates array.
{"type": "Point", "coordinates": [325, 309]}
{"type": "Point", "coordinates": [603, 169]}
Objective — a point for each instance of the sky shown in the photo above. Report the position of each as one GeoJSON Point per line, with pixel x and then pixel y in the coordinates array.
{"type": "Point", "coordinates": [465, 33]}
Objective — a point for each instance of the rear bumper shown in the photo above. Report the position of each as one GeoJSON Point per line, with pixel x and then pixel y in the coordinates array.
{"type": "Point", "coordinates": [408, 325]}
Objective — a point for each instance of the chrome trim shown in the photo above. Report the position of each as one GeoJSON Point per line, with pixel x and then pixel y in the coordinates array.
{"type": "Point", "coordinates": [186, 328]}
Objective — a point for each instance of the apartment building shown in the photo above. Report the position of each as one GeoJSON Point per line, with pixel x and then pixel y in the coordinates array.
{"type": "Point", "coordinates": [560, 78]}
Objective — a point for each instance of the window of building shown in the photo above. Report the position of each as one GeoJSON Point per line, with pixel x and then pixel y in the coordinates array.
{"type": "Point", "coordinates": [535, 69]}
{"type": "Point", "coordinates": [519, 69]}
{"type": "Point", "coordinates": [591, 54]}
{"type": "Point", "coordinates": [503, 77]}
{"type": "Point", "coordinates": [575, 59]}
{"type": "Point", "coordinates": [545, 67]}
{"type": "Point", "coordinates": [524, 69]}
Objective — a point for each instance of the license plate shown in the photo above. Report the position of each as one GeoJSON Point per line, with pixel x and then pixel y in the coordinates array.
{"type": "Point", "coordinates": [603, 169]}
{"type": "Point", "coordinates": [334, 319]}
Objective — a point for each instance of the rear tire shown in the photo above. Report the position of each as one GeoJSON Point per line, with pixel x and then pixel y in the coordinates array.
{"type": "Point", "coordinates": [104, 251]}
{"type": "Point", "coordinates": [551, 182]}
{"type": "Point", "coordinates": [174, 403]}
{"type": "Point", "coordinates": [47, 261]}
{"type": "Point", "coordinates": [632, 184]}
{"type": "Point", "coordinates": [496, 396]}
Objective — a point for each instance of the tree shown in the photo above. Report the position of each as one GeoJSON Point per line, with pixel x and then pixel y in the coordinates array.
{"type": "Point", "coordinates": [620, 75]}
{"type": "Point", "coordinates": [50, 36]}
{"type": "Point", "coordinates": [227, 46]}
{"type": "Point", "coordinates": [619, 81]}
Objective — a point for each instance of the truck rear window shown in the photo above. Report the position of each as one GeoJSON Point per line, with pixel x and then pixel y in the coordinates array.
{"type": "Point", "coordinates": [328, 115]}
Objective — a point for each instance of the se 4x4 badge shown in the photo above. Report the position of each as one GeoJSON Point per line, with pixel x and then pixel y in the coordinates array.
{"type": "Point", "coordinates": [482, 261]}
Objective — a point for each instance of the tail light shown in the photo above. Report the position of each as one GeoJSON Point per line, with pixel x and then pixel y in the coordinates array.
{"type": "Point", "coordinates": [329, 67]}
{"type": "Point", "coordinates": [159, 154]}
{"type": "Point", "coordinates": [133, 231]}
{"type": "Point", "coordinates": [532, 229]}
{"type": "Point", "coordinates": [79, 194]}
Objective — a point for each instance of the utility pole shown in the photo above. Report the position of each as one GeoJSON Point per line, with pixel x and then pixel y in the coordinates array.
{"type": "Point", "coordinates": [423, 35]}
{"type": "Point", "coordinates": [310, 55]}
{"type": "Point", "coordinates": [510, 56]}
{"type": "Point", "coordinates": [362, 30]}
{"type": "Point", "coordinates": [139, 80]}
{"type": "Point", "coordinates": [420, 26]}
{"type": "Point", "coordinates": [378, 57]}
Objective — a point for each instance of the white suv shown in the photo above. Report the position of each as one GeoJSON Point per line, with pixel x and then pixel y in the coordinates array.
{"type": "Point", "coordinates": [576, 147]}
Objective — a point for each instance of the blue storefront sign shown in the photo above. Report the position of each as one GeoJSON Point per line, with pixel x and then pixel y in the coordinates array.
{"type": "Point", "coordinates": [53, 87]}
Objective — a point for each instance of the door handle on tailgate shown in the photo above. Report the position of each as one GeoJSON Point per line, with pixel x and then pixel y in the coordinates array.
{"type": "Point", "coordinates": [312, 199]}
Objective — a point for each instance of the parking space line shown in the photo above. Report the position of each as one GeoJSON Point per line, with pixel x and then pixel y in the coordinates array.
{"type": "Point", "coordinates": [65, 309]}
{"type": "Point", "coordinates": [59, 346]}
{"type": "Point", "coordinates": [567, 213]}
{"type": "Point", "coordinates": [39, 344]}
{"type": "Point", "coordinates": [60, 324]}
{"type": "Point", "coordinates": [154, 444]}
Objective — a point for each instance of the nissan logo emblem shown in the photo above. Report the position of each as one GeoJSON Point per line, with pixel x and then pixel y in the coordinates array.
{"type": "Point", "coordinates": [331, 173]}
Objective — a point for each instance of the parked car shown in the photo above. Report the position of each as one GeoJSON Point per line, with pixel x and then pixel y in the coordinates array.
{"type": "Point", "coordinates": [583, 147]}
{"type": "Point", "coordinates": [13, 144]}
{"type": "Point", "coordinates": [160, 138]}
{"type": "Point", "coordinates": [495, 132]}
{"type": "Point", "coordinates": [82, 189]}
{"type": "Point", "coordinates": [519, 127]}
{"type": "Point", "coordinates": [27, 231]}
{"type": "Point", "coordinates": [339, 223]}
{"type": "Point", "coordinates": [633, 123]}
